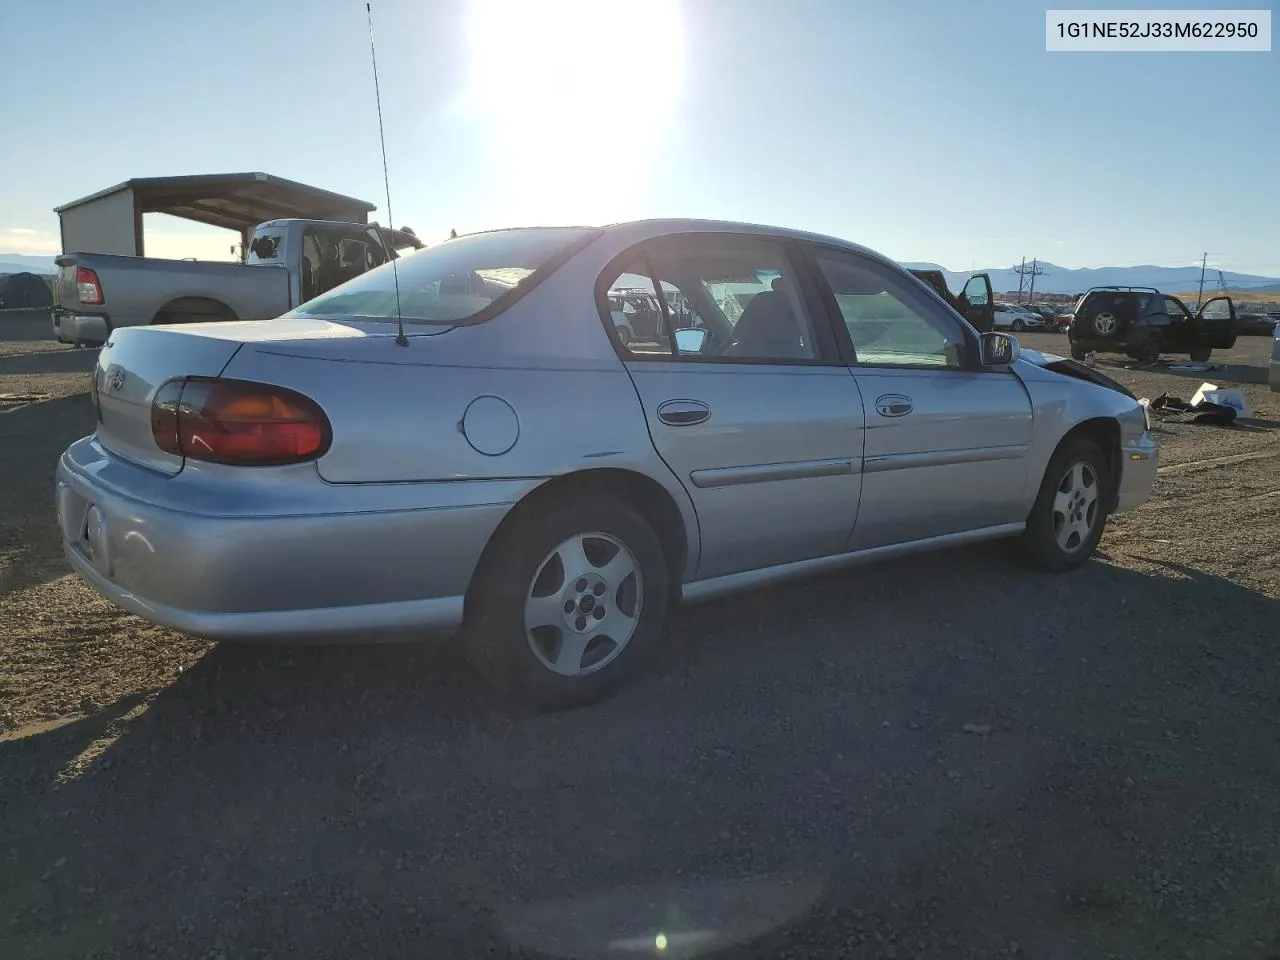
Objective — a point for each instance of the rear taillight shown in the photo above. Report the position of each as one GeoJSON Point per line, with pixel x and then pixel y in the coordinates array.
{"type": "Point", "coordinates": [88, 288]}
{"type": "Point", "coordinates": [238, 422]}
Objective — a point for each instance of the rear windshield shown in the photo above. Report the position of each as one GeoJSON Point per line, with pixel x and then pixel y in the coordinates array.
{"type": "Point", "coordinates": [453, 282]}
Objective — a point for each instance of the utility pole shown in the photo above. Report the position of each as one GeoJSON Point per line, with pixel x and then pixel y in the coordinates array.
{"type": "Point", "coordinates": [1200, 294]}
{"type": "Point", "coordinates": [1035, 272]}
{"type": "Point", "coordinates": [1024, 271]}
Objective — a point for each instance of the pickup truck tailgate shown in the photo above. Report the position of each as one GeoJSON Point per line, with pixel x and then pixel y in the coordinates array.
{"type": "Point", "coordinates": [132, 366]}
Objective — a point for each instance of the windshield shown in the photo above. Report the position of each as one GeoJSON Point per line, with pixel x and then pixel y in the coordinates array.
{"type": "Point", "coordinates": [451, 283]}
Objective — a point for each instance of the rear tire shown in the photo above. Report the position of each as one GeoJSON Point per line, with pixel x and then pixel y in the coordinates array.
{"type": "Point", "coordinates": [1201, 354]}
{"type": "Point", "coordinates": [1070, 512]}
{"type": "Point", "coordinates": [1149, 351]}
{"type": "Point", "coordinates": [538, 631]}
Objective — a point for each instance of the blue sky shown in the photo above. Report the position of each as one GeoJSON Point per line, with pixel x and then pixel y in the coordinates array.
{"type": "Point", "coordinates": [931, 130]}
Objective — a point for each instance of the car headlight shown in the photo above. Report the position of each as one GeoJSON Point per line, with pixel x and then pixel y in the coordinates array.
{"type": "Point", "coordinates": [1136, 420]}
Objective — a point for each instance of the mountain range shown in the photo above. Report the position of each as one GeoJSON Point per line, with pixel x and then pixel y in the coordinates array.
{"type": "Point", "coordinates": [22, 263]}
{"type": "Point", "coordinates": [1057, 279]}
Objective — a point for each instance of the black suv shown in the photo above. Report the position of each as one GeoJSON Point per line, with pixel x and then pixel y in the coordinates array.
{"type": "Point", "coordinates": [1143, 323]}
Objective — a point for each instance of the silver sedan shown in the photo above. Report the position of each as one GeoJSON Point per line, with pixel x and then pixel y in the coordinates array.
{"type": "Point", "coordinates": [461, 443]}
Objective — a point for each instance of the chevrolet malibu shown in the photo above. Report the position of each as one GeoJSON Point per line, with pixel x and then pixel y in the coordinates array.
{"type": "Point", "coordinates": [460, 443]}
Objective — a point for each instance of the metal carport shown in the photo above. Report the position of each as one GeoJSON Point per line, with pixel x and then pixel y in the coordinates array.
{"type": "Point", "coordinates": [110, 221]}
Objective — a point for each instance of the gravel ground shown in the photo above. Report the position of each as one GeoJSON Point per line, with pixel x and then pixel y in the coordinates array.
{"type": "Point", "coordinates": [903, 761]}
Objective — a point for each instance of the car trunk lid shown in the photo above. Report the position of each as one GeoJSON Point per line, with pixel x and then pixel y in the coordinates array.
{"type": "Point", "coordinates": [137, 361]}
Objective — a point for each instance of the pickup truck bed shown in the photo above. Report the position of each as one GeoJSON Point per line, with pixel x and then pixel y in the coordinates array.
{"type": "Point", "coordinates": [95, 293]}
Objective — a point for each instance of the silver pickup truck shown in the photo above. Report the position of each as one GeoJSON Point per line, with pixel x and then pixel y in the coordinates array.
{"type": "Point", "coordinates": [287, 262]}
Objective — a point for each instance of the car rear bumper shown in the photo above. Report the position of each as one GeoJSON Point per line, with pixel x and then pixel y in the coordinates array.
{"type": "Point", "coordinates": [336, 566]}
{"type": "Point", "coordinates": [1141, 460]}
{"type": "Point", "coordinates": [75, 327]}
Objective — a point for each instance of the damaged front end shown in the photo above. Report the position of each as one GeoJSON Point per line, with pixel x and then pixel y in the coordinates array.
{"type": "Point", "coordinates": [1074, 368]}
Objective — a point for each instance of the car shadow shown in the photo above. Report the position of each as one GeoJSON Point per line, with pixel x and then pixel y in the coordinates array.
{"type": "Point", "coordinates": [36, 433]}
{"type": "Point", "coordinates": [63, 360]}
{"type": "Point", "coordinates": [914, 740]}
{"type": "Point", "coordinates": [25, 326]}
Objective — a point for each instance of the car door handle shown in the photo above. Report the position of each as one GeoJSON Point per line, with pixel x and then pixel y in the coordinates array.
{"type": "Point", "coordinates": [683, 413]}
{"type": "Point", "coordinates": [894, 405]}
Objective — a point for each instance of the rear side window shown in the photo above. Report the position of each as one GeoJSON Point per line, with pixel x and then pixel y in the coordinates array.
{"type": "Point", "coordinates": [264, 248]}
{"type": "Point", "coordinates": [1115, 300]}
{"type": "Point", "coordinates": [467, 279]}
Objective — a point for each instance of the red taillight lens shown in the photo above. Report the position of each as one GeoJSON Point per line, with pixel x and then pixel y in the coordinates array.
{"type": "Point", "coordinates": [237, 422]}
{"type": "Point", "coordinates": [88, 288]}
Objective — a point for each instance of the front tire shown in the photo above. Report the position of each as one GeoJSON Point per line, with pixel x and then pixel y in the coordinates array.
{"type": "Point", "coordinates": [1201, 354]}
{"type": "Point", "coordinates": [1078, 352]}
{"type": "Point", "coordinates": [1018, 326]}
{"type": "Point", "coordinates": [571, 601]}
{"type": "Point", "coordinates": [1070, 512]}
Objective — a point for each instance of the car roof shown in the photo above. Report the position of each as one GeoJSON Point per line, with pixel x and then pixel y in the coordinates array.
{"type": "Point", "coordinates": [637, 231]}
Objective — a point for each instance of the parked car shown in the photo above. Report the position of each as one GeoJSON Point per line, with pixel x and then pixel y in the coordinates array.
{"type": "Point", "coordinates": [96, 293]}
{"type": "Point", "coordinates": [1012, 316]}
{"type": "Point", "coordinates": [1142, 323]}
{"type": "Point", "coordinates": [1051, 315]}
{"type": "Point", "coordinates": [509, 470]}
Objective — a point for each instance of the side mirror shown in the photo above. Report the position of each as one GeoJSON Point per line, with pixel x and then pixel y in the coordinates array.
{"type": "Point", "coordinates": [998, 349]}
{"type": "Point", "coordinates": [691, 340]}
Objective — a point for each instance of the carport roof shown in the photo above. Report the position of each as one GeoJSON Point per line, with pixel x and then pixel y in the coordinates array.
{"type": "Point", "coordinates": [236, 201]}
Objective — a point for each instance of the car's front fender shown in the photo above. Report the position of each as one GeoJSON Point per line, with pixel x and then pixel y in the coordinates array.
{"type": "Point", "coordinates": [1063, 399]}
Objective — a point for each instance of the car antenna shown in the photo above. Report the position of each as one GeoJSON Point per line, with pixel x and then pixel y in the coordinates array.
{"type": "Point", "coordinates": [401, 339]}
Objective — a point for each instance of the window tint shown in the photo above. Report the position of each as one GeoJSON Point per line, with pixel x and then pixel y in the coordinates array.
{"type": "Point", "coordinates": [889, 322]}
{"type": "Point", "coordinates": [1174, 309]}
{"type": "Point", "coordinates": [449, 283]}
{"type": "Point", "coordinates": [742, 291]}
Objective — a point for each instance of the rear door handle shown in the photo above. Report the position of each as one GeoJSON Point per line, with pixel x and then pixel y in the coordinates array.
{"type": "Point", "coordinates": [683, 413]}
{"type": "Point", "coordinates": [894, 405]}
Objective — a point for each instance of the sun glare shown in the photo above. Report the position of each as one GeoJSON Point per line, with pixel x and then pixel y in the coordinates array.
{"type": "Point", "coordinates": [577, 95]}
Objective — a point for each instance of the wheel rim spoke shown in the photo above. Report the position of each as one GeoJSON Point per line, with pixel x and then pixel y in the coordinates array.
{"type": "Point", "coordinates": [544, 612]}
{"type": "Point", "coordinates": [573, 558]}
{"type": "Point", "coordinates": [618, 568]}
{"type": "Point", "coordinates": [570, 650]}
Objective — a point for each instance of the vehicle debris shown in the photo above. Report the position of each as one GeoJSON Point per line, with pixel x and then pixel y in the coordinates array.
{"type": "Point", "coordinates": [1177, 410]}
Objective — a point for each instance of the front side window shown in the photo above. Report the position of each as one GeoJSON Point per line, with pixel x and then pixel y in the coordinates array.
{"type": "Point", "coordinates": [889, 322]}
{"type": "Point", "coordinates": [453, 282]}
{"type": "Point", "coordinates": [1174, 308]}
{"type": "Point", "coordinates": [975, 291]}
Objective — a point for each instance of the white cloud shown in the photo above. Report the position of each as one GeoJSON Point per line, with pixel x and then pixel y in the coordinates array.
{"type": "Point", "coordinates": [25, 231]}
